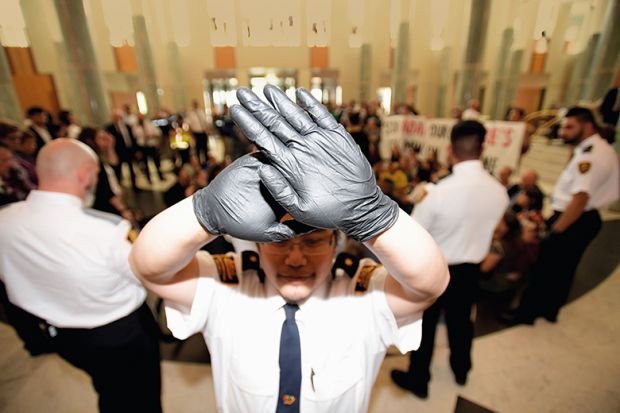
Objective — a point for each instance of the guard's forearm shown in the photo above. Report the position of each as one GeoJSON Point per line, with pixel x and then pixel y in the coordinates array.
{"type": "Point", "coordinates": [572, 212]}
{"type": "Point", "coordinates": [412, 257]}
{"type": "Point", "coordinates": [168, 243]}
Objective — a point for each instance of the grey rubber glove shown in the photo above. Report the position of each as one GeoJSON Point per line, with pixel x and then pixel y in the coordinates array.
{"type": "Point", "coordinates": [316, 171]}
{"type": "Point", "coordinates": [236, 203]}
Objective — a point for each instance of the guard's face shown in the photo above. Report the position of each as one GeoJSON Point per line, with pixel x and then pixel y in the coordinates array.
{"type": "Point", "coordinates": [296, 268]}
{"type": "Point", "coordinates": [571, 131]}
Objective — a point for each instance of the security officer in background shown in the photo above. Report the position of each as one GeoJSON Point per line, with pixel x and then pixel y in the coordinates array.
{"type": "Point", "coordinates": [589, 181]}
{"type": "Point", "coordinates": [69, 284]}
{"type": "Point", "coordinates": [291, 337]}
{"type": "Point", "coordinates": [461, 213]}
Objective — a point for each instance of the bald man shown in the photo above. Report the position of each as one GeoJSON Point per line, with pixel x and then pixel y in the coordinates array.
{"type": "Point", "coordinates": [529, 185]}
{"type": "Point", "coordinates": [69, 284]}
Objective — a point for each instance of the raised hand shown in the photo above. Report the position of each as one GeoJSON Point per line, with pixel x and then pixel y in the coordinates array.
{"type": "Point", "coordinates": [316, 171]}
{"type": "Point", "coordinates": [236, 203]}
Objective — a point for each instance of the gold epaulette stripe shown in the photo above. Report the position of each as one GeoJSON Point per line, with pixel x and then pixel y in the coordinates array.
{"type": "Point", "coordinates": [363, 279]}
{"type": "Point", "coordinates": [226, 268]}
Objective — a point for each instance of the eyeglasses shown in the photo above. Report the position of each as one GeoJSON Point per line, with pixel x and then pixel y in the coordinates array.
{"type": "Point", "coordinates": [308, 246]}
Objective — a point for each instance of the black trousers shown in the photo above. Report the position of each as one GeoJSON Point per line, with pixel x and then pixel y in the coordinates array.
{"type": "Point", "coordinates": [202, 147]}
{"type": "Point", "coordinates": [122, 358]}
{"type": "Point", "coordinates": [118, 170]}
{"type": "Point", "coordinates": [456, 302]}
{"type": "Point", "coordinates": [152, 153]}
{"type": "Point", "coordinates": [554, 271]}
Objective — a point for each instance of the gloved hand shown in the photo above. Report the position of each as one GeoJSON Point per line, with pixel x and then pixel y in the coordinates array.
{"type": "Point", "coordinates": [236, 203]}
{"type": "Point", "coordinates": [316, 171]}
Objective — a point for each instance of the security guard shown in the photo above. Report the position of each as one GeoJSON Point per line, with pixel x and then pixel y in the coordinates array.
{"type": "Point", "coordinates": [291, 337]}
{"type": "Point", "coordinates": [461, 213]}
{"type": "Point", "coordinates": [69, 284]}
{"type": "Point", "coordinates": [589, 182]}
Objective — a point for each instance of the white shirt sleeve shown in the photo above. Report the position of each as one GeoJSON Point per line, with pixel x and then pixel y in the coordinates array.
{"type": "Point", "coordinates": [423, 210]}
{"type": "Point", "coordinates": [406, 337]}
{"type": "Point", "coordinates": [119, 251]}
{"type": "Point", "coordinates": [583, 176]}
{"type": "Point", "coordinates": [183, 323]}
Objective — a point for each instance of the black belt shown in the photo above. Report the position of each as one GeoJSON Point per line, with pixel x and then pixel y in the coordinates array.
{"type": "Point", "coordinates": [117, 332]}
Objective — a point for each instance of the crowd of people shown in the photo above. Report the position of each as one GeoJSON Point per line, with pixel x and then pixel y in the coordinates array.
{"type": "Point", "coordinates": [490, 230]}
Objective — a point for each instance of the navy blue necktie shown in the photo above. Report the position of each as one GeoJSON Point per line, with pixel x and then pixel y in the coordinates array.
{"type": "Point", "coordinates": [290, 363]}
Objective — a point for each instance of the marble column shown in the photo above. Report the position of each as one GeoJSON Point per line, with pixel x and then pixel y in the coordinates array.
{"type": "Point", "coordinates": [468, 86]}
{"type": "Point", "coordinates": [501, 73]}
{"type": "Point", "coordinates": [65, 80]}
{"type": "Point", "coordinates": [365, 72]}
{"type": "Point", "coordinates": [174, 64]}
{"type": "Point", "coordinates": [558, 63]}
{"type": "Point", "coordinates": [606, 56]}
{"type": "Point", "coordinates": [146, 68]}
{"type": "Point", "coordinates": [583, 61]}
{"type": "Point", "coordinates": [85, 70]}
{"type": "Point", "coordinates": [444, 79]}
{"type": "Point", "coordinates": [400, 71]}
{"type": "Point", "coordinates": [9, 104]}
{"type": "Point", "coordinates": [512, 81]}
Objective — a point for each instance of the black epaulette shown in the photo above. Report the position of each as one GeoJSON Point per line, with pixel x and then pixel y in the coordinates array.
{"type": "Point", "coordinates": [226, 268]}
{"type": "Point", "coordinates": [346, 262]}
{"type": "Point", "coordinates": [250, 260]}
{"type": "Point", "coordinates": [363, 279]}
{"type": "Point", "coordinates": [587, 149]}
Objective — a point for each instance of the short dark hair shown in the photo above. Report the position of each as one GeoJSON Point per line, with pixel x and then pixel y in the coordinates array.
{"type": "Point", "coordinates": [87, 135]}
{"type": "Point", "coordinates": [583, 115]}
{"type": "Point", "coordinates": [63, 117]}
{"type": "Point", "coordinates": [7, 129]}
{"type": "Point", "coordinates": [467, 137]}
{"type": "Point", "coordinates": [34, 110]}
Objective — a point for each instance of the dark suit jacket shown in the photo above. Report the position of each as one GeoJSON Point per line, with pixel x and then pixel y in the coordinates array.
{"type": "Point", "coordinates": [39, 139]}
{"type": "Point", "coordinates": [125, 153]}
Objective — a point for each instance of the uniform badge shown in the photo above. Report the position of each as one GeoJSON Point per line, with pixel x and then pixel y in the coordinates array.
{"type": "Point", "coordinates": [363, 279]}
{"type": "Point", "coordinates": [288, 399]}
{"type": "Point", "coordinates": [584, 167]}
{"type": "Point", "coordinates": [226, 268]}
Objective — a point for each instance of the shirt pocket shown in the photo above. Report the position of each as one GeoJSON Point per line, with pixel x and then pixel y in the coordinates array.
{"type": "Point", "coordinates": [335, 385]}
{"type": "Point", "coordinates": [252, 385]}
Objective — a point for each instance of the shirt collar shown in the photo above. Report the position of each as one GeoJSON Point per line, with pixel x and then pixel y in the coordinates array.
{"type": "Point", "coordinates": [588, 141]}
{"type": "Point", "coordinates": [467, 166]}
{"type": "Point", "coordinates": [55, 198]}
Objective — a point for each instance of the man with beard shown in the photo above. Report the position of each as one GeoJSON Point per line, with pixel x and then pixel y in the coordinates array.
{"type": "Point", "coordinates": [69, 284]}
{"type": "Point", "coordinates": [590, 181]}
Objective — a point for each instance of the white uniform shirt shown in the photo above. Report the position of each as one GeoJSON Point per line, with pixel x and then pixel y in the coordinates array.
{"type": "Point", "coordinates": [147, 134]}
{"type": "Point", "coordinates": [462, 211]}
{"type": "Point", "coordinates": [344, 337]}
{"type": "Point", "coordinates": [197, 120]}
{"type": "Point", "coordinates": [593, 169]}
{"type": "Point", "coordinates": [64, 264]}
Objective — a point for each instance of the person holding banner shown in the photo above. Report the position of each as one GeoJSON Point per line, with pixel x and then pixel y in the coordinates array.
{"type": "Point", "coordinates": [461, 213]}
{"type": "Point", "coordinates": [590, 181]}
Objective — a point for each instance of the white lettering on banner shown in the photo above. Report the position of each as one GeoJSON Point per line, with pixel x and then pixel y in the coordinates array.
{"type": "Point", "coordinates": [502, 145]}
